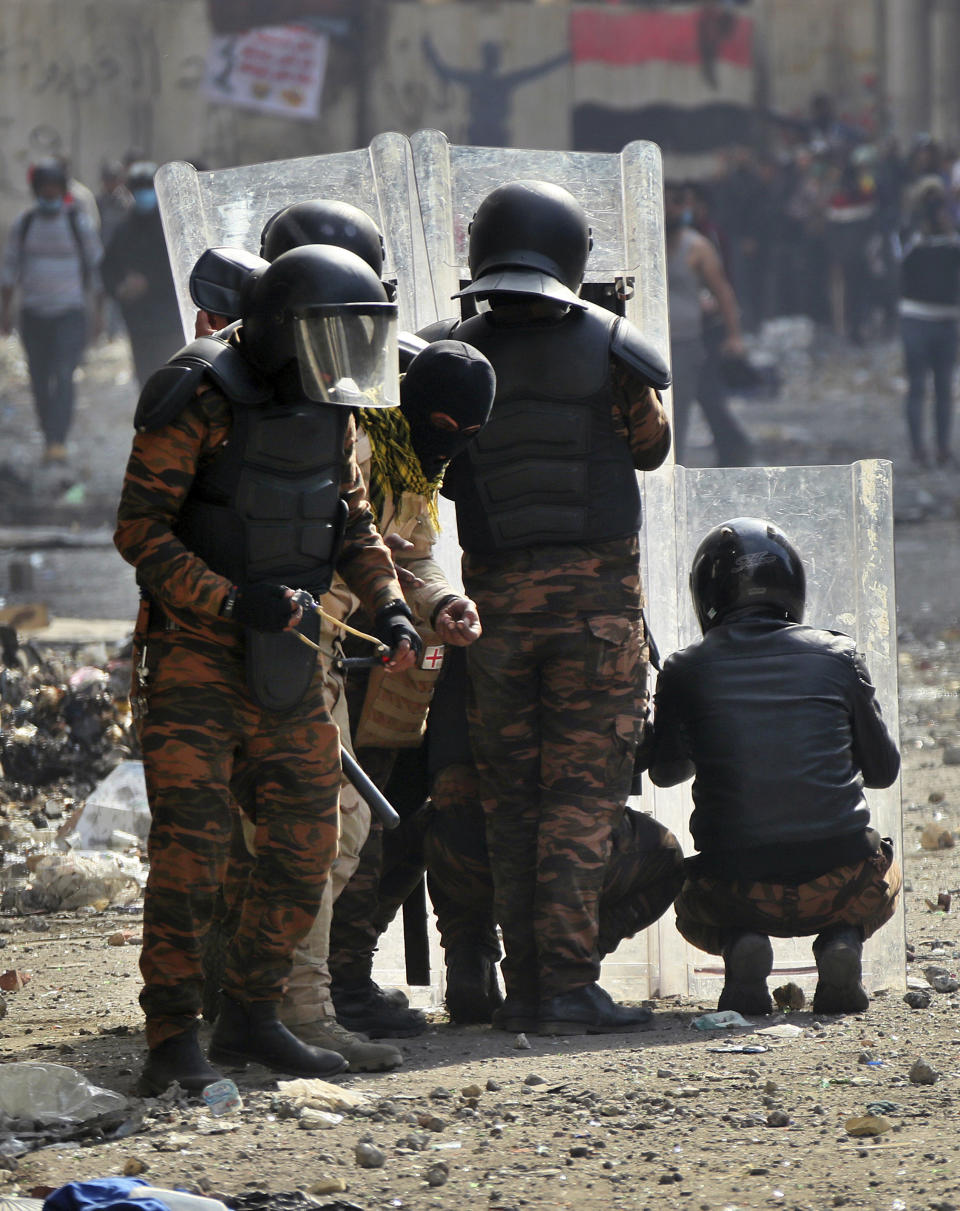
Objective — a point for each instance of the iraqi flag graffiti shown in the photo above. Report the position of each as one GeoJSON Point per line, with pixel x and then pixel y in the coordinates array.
{"type": "Point", "coordinates": [681, 77]}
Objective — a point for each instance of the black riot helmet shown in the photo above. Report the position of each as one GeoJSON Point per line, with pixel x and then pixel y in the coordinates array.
{"type": "Point", "coordinates": [323, 310]}
{"type": "Point", "coordinates": [323, 221]}
{"type": "Point", "coordinates": [529, 237]}
{"type": "Point", "coordinates": [746, 563]}
{"type": "Point", "coordinates": [446, 396]}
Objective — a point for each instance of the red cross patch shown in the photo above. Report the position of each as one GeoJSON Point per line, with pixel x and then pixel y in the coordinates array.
{"type": "Point", "coordinates": [432, 656]}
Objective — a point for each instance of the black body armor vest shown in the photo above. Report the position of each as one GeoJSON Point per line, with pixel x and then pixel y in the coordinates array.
{"type": "Point", "coordinates": [268, 506]}
{"type": "Point", "coordinates": [548, 467]}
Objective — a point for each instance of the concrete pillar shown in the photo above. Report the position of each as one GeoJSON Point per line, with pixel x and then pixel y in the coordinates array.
{"type": "Point", "coordinates": [908, 66]}
{"type": "Point", "coordinates": [945, 71]}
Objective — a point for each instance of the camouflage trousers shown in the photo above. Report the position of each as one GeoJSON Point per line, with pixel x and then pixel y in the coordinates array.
{"type": "Point", "coordinates": [555, 709]}
{"type": "Point", "coordinates": [863, 894]}
{"type": "Point", "coordinates": [204, 741]}
{"type": "Point", "coordinates": [640, 881]}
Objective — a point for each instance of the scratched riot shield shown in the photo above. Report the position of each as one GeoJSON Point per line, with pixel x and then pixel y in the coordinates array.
{"type": "Point", "coordinates": [229, 206]}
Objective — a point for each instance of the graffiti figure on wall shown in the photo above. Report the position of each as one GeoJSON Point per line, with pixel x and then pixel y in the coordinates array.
{"type": "Point", "coordinates": [489, 90]}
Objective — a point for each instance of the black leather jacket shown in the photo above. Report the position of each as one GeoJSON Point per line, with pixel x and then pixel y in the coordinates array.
{"type": "Point", "coordinates": [780, 727]}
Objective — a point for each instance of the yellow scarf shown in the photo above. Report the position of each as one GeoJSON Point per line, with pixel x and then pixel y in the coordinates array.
{"type": "Point", "coordinates": [393, 462]}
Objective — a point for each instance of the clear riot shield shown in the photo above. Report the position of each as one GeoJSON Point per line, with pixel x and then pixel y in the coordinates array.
{"type": "Point", "coordinates": [622, 195]}
{"type": "Point", "coordinates": [841, 520]}
{"type": "Point", "coordinates": [229, 206]}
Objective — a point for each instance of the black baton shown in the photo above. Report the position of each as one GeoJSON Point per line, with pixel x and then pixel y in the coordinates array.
{"type": "Point", "coordinates": [378, 804]}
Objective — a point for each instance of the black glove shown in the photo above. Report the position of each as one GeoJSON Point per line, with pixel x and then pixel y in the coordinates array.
{"type": "Point", "coordinates": [393, 623]}
{"type": "Point", "coordinates": [264, 607]}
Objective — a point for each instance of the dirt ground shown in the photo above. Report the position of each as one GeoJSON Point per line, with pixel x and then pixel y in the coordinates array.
{"type": "Point", "coordinates": [671, 1117]}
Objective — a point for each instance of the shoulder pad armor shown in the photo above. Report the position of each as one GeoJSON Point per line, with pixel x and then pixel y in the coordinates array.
{"type": "Point", "coordinates": [439, 330]}
{"type": "Point", "coordinates": [629, 347]}
{"type": "Point", "coordinates": [168, 390]}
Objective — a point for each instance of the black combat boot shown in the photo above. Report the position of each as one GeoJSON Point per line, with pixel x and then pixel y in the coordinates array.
{"type": "Point", "coordinates": [179, 1059]}
{"type": "Point", "coordinates": [252, 1031]}
{"type": "Point", "coordinates": [366, 1009]}
{"type": "Point", "coordinates": [747, 961]}
{"type": "Point", "coordinates": [838, 951]}
{"type": "Point", "coordinates": [472, 989]}
{"type": "Point", "coordinates": [517, 1014]}
{"type": "Point", "coordinates": [589, 1010]}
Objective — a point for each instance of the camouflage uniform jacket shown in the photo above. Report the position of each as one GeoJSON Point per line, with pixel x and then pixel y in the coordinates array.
{"type": "Point", "coordinates": [159, 474]}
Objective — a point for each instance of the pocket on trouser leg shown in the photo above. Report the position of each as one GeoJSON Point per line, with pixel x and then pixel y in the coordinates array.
{"type": "Point", "coordinates": [617, 649]}
{"type": "Point", "coordinates": [621, 757]}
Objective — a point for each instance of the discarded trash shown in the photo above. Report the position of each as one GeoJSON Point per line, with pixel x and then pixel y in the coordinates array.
{"type": "Point", "coordinates": [62, 882]}
{"type": "Point", "coordinates": [318, 1120]}
{"type": "Point", "coordinates": [739, 1049]}
{"type": "Point", "coordinates": [319, 1095]}
{"type": "Point", "coordinates": [118, 803]}
{"type": "Point", "coordinates": [936, 836]}
{"type": "Point", "coordinates": [867, 1124]}
{"type": "Point", "coordinates": [46, 1092]}
{"type": "Point", "coordinates": [783, 1030]}
{"type": "Point", "coordinates": [222, 1097]}
{"type": "Point", "coordinates": [943, 902]}
{"type": "Point", "coordinates": [724, 1019]}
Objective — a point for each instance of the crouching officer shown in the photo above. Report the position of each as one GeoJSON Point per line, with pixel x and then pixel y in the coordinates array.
{"type": "Point", "coordinates": [779, 725]}
{"type": "Point", "coordinates": [242, 487]}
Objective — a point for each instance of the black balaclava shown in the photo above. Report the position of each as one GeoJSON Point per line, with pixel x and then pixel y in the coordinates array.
{"type": "Point", "coordinates": [450, 377]}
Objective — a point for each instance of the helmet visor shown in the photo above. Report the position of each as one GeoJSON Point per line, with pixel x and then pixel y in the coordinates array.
{"type": "Point", "coordinates": [347, 353]}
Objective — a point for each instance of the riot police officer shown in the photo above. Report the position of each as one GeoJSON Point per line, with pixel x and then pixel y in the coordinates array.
{"type": "Point", "coordinates": [242, 487]}
{"type": "Point", "coordinates": [548, 514]}
{"type": "Point", "coordinates": [779, 725]}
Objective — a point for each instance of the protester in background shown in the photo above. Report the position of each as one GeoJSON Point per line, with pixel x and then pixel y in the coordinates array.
{"type": "Point", "coordinates": [850, 223]}
{"type": "Point", "coordinates": [52, 260]}
{"type": "Point", "coordinates": [929, 310]}
{"type": "Point", "coordinates": [693, 266]}
{"type": "Point", "coordinates": [113, 203]}
{"type": "Point", "coordinates": [137, 273]}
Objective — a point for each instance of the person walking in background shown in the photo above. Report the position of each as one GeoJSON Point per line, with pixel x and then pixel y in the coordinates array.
{"type": "Point", "coordinates": [52, 261]}
{"type": "Point", "coordinates": [929, 309]}
{"type": "Point", "coordinates": [694, 266]}
{"type": "Point", "coordinates": [137, 273]}
{"type": "Point", "coordinates": [113, 203]}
